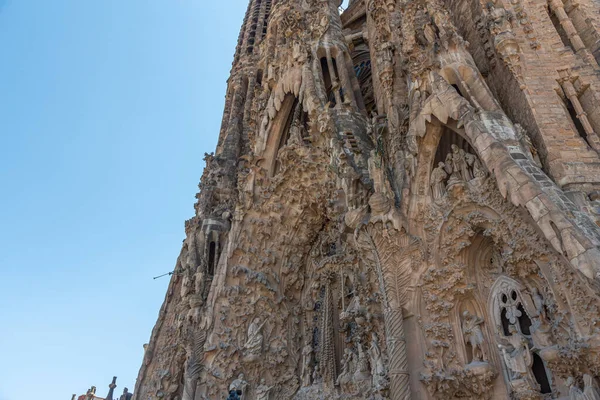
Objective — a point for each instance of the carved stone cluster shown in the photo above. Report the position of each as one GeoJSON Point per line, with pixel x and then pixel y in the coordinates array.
{"type": "Point", "coordinates": [403, 203]}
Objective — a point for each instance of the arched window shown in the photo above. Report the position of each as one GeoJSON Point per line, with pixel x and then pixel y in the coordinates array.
{"type": "Point", "coordinates": [512, 318]}
{"type": "Point", "coordinates": [291, 121]}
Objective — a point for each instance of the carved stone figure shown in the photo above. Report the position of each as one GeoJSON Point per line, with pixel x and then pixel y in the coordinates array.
{"type": "Point", "coordinates": [377, 367]}
{"type": "Point", "coordinates": [253, 345]}
{"type": "Point", "coordinates": [307, 358]}
{"type": "Point", "coordinates": [539, 303]}
{"type": "Point", "coordinates": [471, 327]}
{"type": "Point", "coordinates": [239, 385]}
{"type": "Point", "coordinates": [362, 373]}
{"type": "Point", "coordinates": [459, 163]}
{"type": "Point", "coordinates": [263, 391]}
{"type": "Point", "coordinates": [516, 354]}
{"type": "Point", "coordinates": [438, 177]}
{"type": "Point", "coordinates": [344, 380]}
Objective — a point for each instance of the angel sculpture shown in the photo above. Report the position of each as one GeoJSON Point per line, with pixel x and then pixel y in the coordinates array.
{"type": "Point", "coordinates": [253, 346]}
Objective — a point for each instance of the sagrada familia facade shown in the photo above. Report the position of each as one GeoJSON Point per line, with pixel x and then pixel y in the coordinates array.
{"type": "Point", "coordinates": [404, 203]}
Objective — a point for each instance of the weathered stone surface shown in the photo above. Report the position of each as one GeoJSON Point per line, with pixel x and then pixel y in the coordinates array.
{"type": "Point", "coordinates": [403, 203]}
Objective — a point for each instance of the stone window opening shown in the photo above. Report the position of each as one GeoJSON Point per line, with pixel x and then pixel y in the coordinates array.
{"type": "Point", "coordinates": [259, 77]}
{"type": "Point", "coordinates": [470, 85]}
{"type": "Point", "coordinates": [455, 86]}
{"type": "Point", "coordinates": [524, 321]}
{"type": "Point", "coordinates": [253, 26]}
{"type": "Point", "coordinates": [578, 126]}
{"type": "Point", "coordinates": [285, 137]}
{"type": "Point", "coordinates": [295, 130]}
{"type": "Point", "coordinates": [212, 256]}
{"type": "Point", "coordinates": [574, 29]}
{"type": "Point", "coordinates": [564, 38]}
{"type": "Point", "coordinates": [525, 368]}
{"type": "Point", "coordinates": [540, 374]}
{"type": "Point", "coordinates": [570, 96]}
{"type": "Point", "coordinates": [332, 89]}
{"type": "Point", "coordinates": [266, 18]}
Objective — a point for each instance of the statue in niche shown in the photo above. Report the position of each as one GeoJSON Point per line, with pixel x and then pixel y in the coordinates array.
{"type": "Point", "coordinates": [362, 372]}
{"type": "Point", "coordinates": [377, 172]}
{"type": "Point", "coordinates": [239, 386]}
{"type": "Point", "coordinates": [449, 167]}
{"type": "Point", "coordinates": [516, 354]}
{"type": "Point", "coordinates": [473, 335]}
{"type": "Point", "coordinates": [263, 391]}
{"type": "Point", "coordinates": [253, 346]}
{"type": "Point", "coordinates": [307, 358]}
{"type": "Point", "coordinates": [345, 378]}
{"type": "Point", "coordinates": [539, 303]}
{"type": "Point", "coordinates": [459, 163]}
{"type": "Point", "coordinates": [438, 177]}
{"type": "Point", "coordinates": [377, 367]}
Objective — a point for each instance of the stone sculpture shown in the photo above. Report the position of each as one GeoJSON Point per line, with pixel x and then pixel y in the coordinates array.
{"type": "Point", "coordinates": [516, 355]}
{"type": "Point", "coordinates": [377, 366]}
{"type": "Point", "coordinates": [438, 178]}
{"type": "Point", "coordinates": [307, 369]}
{"type": "Point", "coordinates": [239, 386]}
{"type": "Point", "coordinates": [263, 391]}
{"type": "Point", "coordinates": [471, 327]}
{"type": "Point", "coordinates": [253, 346]}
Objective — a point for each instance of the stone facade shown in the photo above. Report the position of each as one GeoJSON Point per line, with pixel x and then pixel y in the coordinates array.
{"type": "Point", "coordinates": [404, 203]}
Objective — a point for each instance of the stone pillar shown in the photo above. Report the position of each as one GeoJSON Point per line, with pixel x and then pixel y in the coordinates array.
{"type": "Point", "coordinates": [558, 9]}
{"type": "Point", "coordinates": [398, 359]}
{"type": "Point", "coordinates": [571, 94]}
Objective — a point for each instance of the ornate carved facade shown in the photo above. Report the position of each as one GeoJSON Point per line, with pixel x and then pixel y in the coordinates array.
{"type": "Point", "coordinates": [404, 203]}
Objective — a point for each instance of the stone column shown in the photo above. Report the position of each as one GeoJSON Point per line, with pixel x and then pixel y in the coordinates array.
{"type": "Point", "coordinates": [398, 360]}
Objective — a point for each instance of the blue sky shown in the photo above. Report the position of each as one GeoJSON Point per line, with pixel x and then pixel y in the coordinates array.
{"type": "Point", "coordinates": [106, 110]}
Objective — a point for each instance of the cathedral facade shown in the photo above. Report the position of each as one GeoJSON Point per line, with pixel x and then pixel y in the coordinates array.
{"type": "Point", "coordinates": [404, 203]}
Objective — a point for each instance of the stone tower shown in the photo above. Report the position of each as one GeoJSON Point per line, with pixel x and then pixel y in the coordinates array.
{"type": "Point", "coordinates": [404, 203]}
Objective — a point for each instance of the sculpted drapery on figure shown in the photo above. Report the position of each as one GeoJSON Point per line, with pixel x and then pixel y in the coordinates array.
{"type": "Point", "coordinates": [471, 326]}
{"type": "Point", "coordinates": [253, 346]}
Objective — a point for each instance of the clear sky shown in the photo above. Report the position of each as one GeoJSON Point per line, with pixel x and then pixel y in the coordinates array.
{"type": "Point", "coordinates": [106, 110]}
